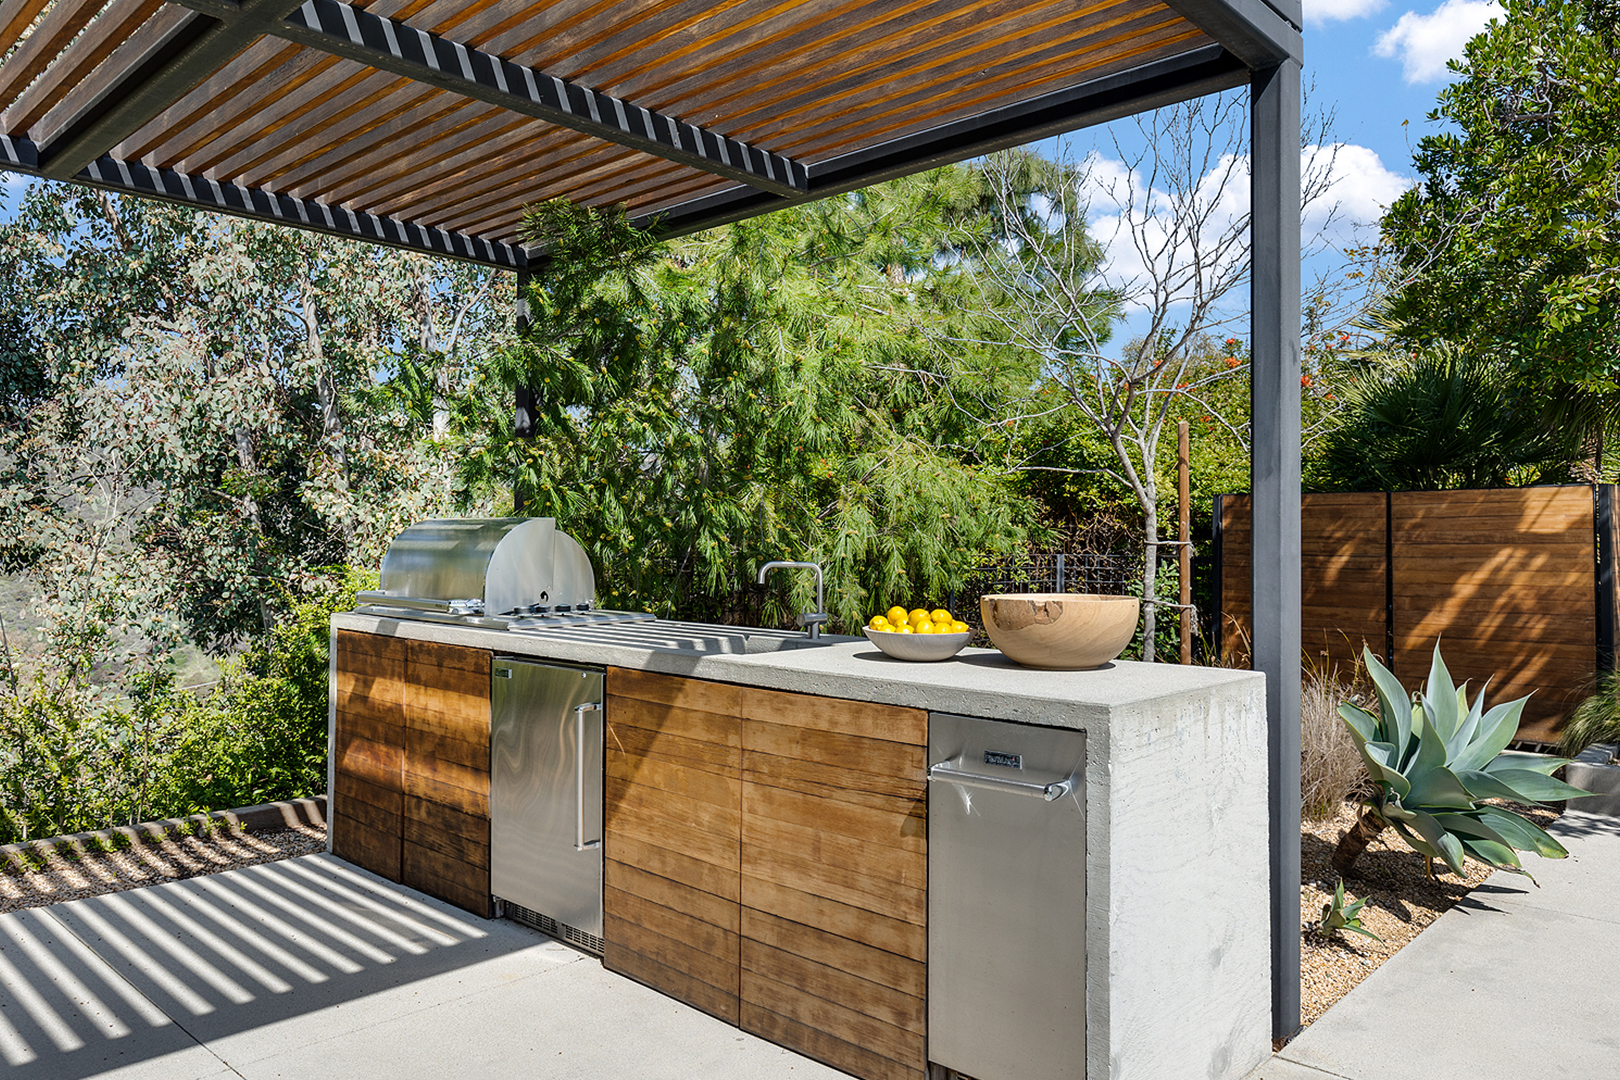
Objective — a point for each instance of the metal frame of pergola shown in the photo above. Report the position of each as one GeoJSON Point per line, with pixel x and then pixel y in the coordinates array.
{"type": "Point", "coordinates": [429, 124]}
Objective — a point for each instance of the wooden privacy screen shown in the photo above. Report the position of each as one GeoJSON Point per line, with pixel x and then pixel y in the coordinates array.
{"type": "Point", "coordinates": [411, 764]}
{"type": "Point", "coordinates": [1516, 584]}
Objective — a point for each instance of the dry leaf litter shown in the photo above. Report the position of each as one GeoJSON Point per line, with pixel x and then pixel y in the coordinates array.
{"type": "Point", "coordinates": [1402, 902]}
{"type": "Point", "coordinates": [74, 876]}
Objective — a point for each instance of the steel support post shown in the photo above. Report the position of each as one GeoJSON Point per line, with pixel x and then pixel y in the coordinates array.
{"type": "Point", "coordinates": [1274, 476]}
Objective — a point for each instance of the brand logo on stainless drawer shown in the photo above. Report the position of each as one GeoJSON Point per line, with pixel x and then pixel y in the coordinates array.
{"type": "Point", "coordinates": [1006, 761]}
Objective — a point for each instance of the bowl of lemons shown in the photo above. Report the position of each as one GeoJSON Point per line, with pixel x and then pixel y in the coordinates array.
{"type": "Point", "coordinates": [918, 635]}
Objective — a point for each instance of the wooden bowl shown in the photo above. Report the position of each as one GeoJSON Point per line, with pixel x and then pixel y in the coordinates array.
{"type": "Point", "coordinates": [1060, 631]}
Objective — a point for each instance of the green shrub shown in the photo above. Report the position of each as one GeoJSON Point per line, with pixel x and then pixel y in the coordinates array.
{"type": "Point", "coordinates": [1595, 720]}
{"type": "Point", "coordinates": [75, 758]}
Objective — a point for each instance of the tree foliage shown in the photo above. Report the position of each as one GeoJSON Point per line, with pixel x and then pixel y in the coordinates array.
{"type": "Point", "coordinates": [1509, 245]}
{"type": "Point", "coordinates": [774, 389]}
{"type": "Point", "coordinates": [1439, 419]}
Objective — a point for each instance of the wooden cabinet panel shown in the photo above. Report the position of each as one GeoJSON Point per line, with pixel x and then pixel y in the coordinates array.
{"type": "Point", "coordinates": [672, 826]}
{"type": "Point", "coordinates": [445, 774]}
{"type": "Point", "coordinates": [368, 751]}
{"type": "Point", "coordinates": [834, 876]}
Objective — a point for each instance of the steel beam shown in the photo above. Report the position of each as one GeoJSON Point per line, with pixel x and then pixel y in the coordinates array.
{"type": "Point", "coordinates": [188, 54]}
{"type": "Point", "coordinates": [1152, 86]}
{"type": "Point", "coordinates": [1251, 30]}
{"type": "Point", "coordinates": [199, 192]}
{"type": "Point", "coordinates": [1274, 480]}
{"type": "Point", "coordinates": [393, 46]}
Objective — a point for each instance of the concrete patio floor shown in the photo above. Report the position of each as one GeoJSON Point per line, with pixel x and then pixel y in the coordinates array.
{"type": "Point", "coordinates": [313, 968]}
{"type": "Point", "coordinates": [1514, 983]}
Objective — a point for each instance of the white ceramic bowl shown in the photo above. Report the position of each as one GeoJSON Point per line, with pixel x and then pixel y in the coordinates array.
{"type": "Point", "coordinates": [918, 646]}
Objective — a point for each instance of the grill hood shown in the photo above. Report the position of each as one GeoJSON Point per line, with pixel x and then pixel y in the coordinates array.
{"type": "Point", "coordinates": [486, 566]}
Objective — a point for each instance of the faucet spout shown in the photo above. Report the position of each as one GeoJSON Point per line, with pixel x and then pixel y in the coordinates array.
{"type": "Point", "coordinates": [813, 619]}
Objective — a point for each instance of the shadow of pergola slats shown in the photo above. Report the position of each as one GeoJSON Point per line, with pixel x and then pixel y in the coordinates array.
{"type": "Point", "coordinates": [210, 957]}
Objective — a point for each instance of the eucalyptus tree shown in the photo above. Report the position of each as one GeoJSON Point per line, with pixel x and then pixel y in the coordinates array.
{"type": "Point", "coordinates": [781, 387]}
{"type": "Point", "coordinates": [264, 395]}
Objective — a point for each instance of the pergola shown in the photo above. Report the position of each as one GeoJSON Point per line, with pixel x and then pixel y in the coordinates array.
{"type": "Point", "coordinates": [430, 124]}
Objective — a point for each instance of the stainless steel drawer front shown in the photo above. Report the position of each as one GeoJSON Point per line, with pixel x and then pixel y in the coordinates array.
{"type": "Point", "coordinates": [1006, 899]}
{"type": "Point", "coordinates": [545, 791]}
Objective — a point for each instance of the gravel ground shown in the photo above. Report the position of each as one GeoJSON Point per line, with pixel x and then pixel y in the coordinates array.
{"type": "Point", "coordinates": [1403, 901]}
{"type": "Point", "coordinates": [71, 878]}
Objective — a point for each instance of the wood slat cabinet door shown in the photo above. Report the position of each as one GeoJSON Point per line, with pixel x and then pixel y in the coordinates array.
{"type": "Point", "coordinates": [671, 836]}
{"type": "Point", "coordinates": [444, 826]}
{"type": "Point", "coordinates": [368, 750]}
{"type": "Point", "coordinates": [834, 881]}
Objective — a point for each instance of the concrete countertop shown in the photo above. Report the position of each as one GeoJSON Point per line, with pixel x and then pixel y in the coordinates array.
{"type": "Point", "coordinates": [976, 682]}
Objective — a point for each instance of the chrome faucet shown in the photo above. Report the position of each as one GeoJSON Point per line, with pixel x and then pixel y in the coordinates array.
{"type": "Point", "coordinates": [811, 619]}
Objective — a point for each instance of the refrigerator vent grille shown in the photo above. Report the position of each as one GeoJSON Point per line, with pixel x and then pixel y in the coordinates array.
{"type": "Point", "coordinates": [561, 931]}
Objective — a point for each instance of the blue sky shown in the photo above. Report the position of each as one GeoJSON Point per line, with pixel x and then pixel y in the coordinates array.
{"type": "Point", "coordinates": [1377, 65]}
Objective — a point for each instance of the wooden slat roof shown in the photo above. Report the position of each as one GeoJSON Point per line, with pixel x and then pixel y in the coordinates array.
{"type": "Point", "coordinates": [432, 123]}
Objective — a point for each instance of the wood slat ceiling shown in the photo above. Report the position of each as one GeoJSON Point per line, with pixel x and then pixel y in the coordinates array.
{"type": "Point", "coordinates": [810, 79]}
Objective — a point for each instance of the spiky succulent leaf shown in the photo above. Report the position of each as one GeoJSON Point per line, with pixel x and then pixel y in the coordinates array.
{"type": "Point", "coordinates": [1440, 787]}
{"type": "Point", "coordinates": [1521, 833]}
{"type": "Point", "coordinates": [1470, 725]}
{"type": "Point", "coordinates": [1380, 757]}
{"type": "Point", "coordinates": [1361, 722]}
{"type": "Point", "coordinates": [1513, 759]}
{"type": "Point", "coordinates": [1442, 709]}
{"type": "Point", "coordinates": [1413, 840]}
{"type": "Point", "coordinates": [1519, 785]}
{"type": "Point", "coordinates": [1490, 852]}
{"type": "Point", "coordinates": [1393, 705]}
{"type": "Point", "coordinates": [1469, 825]}
{"type": "Point", "coordinates": [1496, 729]}
{"type": "Point", "coordinates": [1431, 754]}
{"type": "Point", "coordinates": [1449, 847]}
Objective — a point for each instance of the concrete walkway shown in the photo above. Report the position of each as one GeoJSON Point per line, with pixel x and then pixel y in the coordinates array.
{"type": "Point", "coordinates": [311, 968]}
{"type": "Point", "coordinates": [1514, 983]}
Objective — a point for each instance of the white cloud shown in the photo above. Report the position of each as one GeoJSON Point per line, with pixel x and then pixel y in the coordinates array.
{"type": "Point", "coordinates": [1359, 189]}
{"type": "Point", "coordinates": [1323, 11]}
{"type": "Point", "coordinates": [1135, 226]}
{"type": "Point", "coordinates": [1425, 42]}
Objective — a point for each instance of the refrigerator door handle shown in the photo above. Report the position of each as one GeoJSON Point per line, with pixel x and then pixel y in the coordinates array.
{"type": "Point", "coordinates": [1050, 792]}
{"type": "Point", "coordinates": [580, 843]}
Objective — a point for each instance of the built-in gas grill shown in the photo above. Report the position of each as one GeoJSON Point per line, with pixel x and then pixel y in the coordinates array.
{"type": "Point", "coordinates": [500, 573]}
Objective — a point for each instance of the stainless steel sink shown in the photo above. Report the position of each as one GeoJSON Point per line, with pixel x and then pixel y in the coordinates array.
{"type": "Point", "coordinates": [703, 639]}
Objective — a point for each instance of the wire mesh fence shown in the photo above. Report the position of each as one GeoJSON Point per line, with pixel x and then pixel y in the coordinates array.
{"type": "Point", "coordinates": [1106, 573]}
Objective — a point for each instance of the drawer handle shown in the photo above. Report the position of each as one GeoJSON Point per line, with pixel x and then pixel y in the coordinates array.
{"type": "Point", "coordinates": [580, 843]}
{"type": "Point", "coordinates": [1049, 792]}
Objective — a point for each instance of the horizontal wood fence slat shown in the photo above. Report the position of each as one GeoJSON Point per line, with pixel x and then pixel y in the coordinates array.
{"type": "Point", "coordinates": [1518, 586]}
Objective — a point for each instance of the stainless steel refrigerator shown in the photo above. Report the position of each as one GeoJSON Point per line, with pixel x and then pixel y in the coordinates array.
{"type": "Point", "coordinates": [545, 797]}
{"type": "Point", "coordinates": [1006, 899]}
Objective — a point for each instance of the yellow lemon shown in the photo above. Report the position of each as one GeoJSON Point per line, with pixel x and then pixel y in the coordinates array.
{"type": "Point", "coordinates": [925, 627]}
{"type": "Point", "coordinates": [904, 628]}
{"type": "Point", "coordinates": [939, 614]}
{"type": "Point", "coordinates": [878, 623]}
{"type": "Point", "coordinates": [942, 626]}
{"type": "Point", "coordinates": [959, 627]}
{"type": "Point", "coordinates": [897, 616]}
{"type": "Point", "coordinates": [918, 615]}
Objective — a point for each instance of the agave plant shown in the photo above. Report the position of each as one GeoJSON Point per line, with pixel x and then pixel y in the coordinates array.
{"type": "Point", "coordinates": [1338, 915]}
{"type": "Point", "coordinates": [1434, 759]}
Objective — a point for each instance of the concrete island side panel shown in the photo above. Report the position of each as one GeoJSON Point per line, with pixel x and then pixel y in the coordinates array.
{"type": "Point", "coordinates": [1180, 904]}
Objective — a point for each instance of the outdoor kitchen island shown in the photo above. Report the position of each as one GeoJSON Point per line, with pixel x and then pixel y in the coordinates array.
{"type": "Point", "coordinates": [765, 827]}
